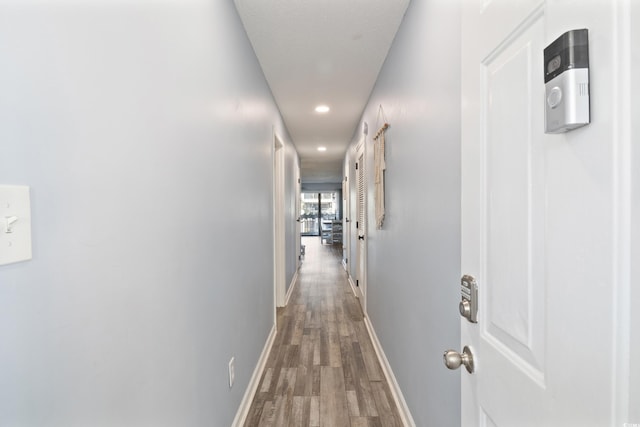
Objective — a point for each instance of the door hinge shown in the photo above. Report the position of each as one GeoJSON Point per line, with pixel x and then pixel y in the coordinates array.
{"type": "Point", "coordinates": [357, 283]}
{"type": "Point", "coordinates": [357, 224]}
{"type": "Point", "coordinates": [356, 166]}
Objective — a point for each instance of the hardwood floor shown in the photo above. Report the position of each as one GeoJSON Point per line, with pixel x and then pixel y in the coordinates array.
{"type": "Point", "coordinates": [322, 369]}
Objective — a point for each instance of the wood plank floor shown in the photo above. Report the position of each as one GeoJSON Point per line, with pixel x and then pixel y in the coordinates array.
{"type": "Point", "coordinates": [322, 369]}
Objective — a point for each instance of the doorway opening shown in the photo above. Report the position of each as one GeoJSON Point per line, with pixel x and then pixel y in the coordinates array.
{"type": "Point", "coordinates": [316, 208]}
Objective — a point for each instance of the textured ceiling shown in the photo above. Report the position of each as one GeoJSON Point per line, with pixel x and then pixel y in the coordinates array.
{"type": "Point", "coordinates": [321, 52]}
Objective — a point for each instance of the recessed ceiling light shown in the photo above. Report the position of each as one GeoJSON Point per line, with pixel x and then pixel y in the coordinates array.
{"type": "Point", "coordinates": [322, 109]}
{"type": "Point", "coordinates": [322, 148]}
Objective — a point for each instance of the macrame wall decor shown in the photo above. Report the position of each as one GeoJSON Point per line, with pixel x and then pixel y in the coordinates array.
{"type": "Point", "coordinates": [380, 167]}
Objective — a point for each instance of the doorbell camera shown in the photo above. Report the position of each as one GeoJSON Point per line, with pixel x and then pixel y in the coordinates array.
{"type": "Point", "coordinates": [566, 78]}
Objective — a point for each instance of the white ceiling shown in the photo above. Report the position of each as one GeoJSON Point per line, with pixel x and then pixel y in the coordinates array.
{"type": "Point", "coordinates": [321, 52]}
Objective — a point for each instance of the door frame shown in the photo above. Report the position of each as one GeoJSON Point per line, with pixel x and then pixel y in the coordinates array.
{"type": "Point", "coordinates": [346, 222]}
{"type": "Point", "coordinates": [298, 208]}
{"type": "Point", "coordinates": [278, 222]}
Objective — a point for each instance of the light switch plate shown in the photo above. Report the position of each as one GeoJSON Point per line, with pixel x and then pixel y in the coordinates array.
{"type": "Point", "coordinates": [15, 224]}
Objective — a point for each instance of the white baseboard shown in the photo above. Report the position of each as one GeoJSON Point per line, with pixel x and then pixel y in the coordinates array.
{"type": "Point", "coordinates": [294, 280]}
{"type": "Point", "coordinates": [403, 409]}
{"type": "Point", "coordinates": [353, 286]}
{"type": "Point", "coordinates": [245, 405]}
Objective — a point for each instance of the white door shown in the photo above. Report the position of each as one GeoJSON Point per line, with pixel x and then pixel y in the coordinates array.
{"type": "Point", "coordinates": [538, 223]}
{"type": "Point", "coordinates": [361, 226]}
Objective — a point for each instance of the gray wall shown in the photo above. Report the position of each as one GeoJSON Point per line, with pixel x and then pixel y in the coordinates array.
{"type": "Point", "coordinates": [322, 187]}
{"type": "Point", "coordinates": [145, 130]}
{"type": "Point", "coordinates": [414, 261]}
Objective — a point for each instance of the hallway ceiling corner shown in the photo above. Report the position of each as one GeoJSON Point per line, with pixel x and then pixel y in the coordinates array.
{"type": "Point", "coordinates": [321, 52]}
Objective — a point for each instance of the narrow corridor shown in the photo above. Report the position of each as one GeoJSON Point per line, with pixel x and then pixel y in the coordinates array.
{"type": "Point", "coordinates": [322, 369]}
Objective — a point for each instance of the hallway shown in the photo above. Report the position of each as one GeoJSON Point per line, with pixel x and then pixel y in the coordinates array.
{"type": "Point", "coordinates": [322, 369]}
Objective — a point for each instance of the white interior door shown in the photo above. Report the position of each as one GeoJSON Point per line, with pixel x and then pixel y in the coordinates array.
{"type": "Point", "coordinates": [538, 218]}
{"type": "Point", "coordinates": [361, 226]}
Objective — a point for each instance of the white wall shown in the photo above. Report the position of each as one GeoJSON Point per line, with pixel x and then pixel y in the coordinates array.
{"type": "Point", "coordinates": [414, 261]}
{"type": "Point", "coordinates": [145, 130]}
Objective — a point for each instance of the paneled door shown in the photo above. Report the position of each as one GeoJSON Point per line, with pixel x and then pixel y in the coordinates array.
{"type": "Point", "coordinates": [361, 226]}
{"type": "Point", "coordinates": [538, 224]}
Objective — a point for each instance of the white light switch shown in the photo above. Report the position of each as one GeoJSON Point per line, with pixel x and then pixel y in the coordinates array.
{"type": "Point", "coordinates": [15, 224]}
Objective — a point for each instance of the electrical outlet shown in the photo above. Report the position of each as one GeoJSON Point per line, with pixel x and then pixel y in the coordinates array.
{"type": "Point", "coordinates": [232, 371]}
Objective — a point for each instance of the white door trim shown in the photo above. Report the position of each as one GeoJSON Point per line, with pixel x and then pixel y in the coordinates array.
{"type": "Point", "coordinates": [623, 201]}
{"type": "Point", "coordinates": [346, 219]}
{"type": "Point", "coordinates": [297, 188]}
{"type": "Point", "coordinates": [278, 221]}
